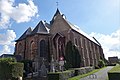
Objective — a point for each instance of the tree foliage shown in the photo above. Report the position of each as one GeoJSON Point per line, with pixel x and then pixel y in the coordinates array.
{"type": "Point", "coordinates": [9, 68]}
{"type": "Point", "coordinates": [101, 63]}
{"type": "Point", "coordinates": [72, 56]}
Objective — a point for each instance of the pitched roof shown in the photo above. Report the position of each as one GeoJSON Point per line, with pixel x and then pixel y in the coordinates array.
{"type": "Point", "coordinates": [57, 13]}
{"type": "Point", "coordinates": [77, 29]}
{"type": "Point", "coordinates": [6, 55]}
{"type": "Point", "coordinates": [73, 27]}
{"type": "Point", "coordinates": [42, 28]}
{"type": "Point", "coordinates": [27, 32]}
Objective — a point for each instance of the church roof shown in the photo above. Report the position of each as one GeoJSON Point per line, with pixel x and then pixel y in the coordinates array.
{"type": "Point", "coordinates": [57, 13]}
{"type": "Point", "coordinates": [76, 28]}
{"type": "Point", "coordinates": [73, 27]}
{"type": "Point", "coordinates": [27, 32]}
{"type": "Point", "coordinates": [42, 28]}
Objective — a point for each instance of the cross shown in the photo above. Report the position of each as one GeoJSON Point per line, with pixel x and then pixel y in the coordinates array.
{"type": "Point", "coordinates": [57, 3]}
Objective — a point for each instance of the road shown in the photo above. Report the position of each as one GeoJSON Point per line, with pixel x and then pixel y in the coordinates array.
{"type": "Point", "coordinates": [100, 75]}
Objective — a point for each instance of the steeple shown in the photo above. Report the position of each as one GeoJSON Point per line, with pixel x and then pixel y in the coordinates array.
{"type": "Point", "coordinates": [56, 13]}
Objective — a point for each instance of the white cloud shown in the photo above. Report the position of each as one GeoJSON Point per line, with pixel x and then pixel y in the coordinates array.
{"type": "Point", "coordinates": [6, 49]}
{"type": "Point", "coordinates": [7, 42]}
{"type": "Point", "coordinates": [20, 13]}
{"type": "Point", "coordinates": [110, 43]}
{"type": "Point", "coordinates": [7, 38]}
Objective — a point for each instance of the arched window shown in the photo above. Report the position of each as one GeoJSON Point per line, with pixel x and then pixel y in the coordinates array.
{"type": "Point", "coordinates": [43, 49]}
{"type": "Point", "coordinates": [20, 49]}
{"type": "Point", "coordinates": [32, 49]}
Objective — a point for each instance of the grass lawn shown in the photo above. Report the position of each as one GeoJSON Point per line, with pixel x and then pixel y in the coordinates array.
{"type": "Point", "coordinates": [115, 69]}
{"type": "Point", "coordinates": [84, 75]}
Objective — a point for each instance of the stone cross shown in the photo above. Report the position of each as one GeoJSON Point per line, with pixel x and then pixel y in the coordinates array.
{"type": "Point", "coordinates": [57, 4]}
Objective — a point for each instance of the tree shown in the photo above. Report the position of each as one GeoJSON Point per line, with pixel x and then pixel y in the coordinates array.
{"type": "Point", "coordinates": [10, 69]}
{"type": "Point", "coordinates": [72, 56]}
{"type": "Point", "coordinates": [68, 55]}
{"type": "Point", "coordinates": [76, 57]}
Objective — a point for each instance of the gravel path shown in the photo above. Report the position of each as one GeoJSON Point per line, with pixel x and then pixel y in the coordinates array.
{"type": "Point", "coordinates": [100, 75]}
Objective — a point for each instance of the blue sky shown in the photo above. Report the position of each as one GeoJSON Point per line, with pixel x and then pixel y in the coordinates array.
{"type": "Point", "coordinates": [99, 18]}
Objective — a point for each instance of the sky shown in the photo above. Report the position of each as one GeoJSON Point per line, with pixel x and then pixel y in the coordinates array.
{"type": "Point", "coordinates": [98, 18]}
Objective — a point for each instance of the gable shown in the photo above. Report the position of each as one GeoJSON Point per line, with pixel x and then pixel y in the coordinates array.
{"type": "Point", "coordinates": [59, 25]}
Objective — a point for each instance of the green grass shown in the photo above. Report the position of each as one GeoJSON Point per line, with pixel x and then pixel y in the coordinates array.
{"type": "Point", "coordinates": [84, 75]}
{"type": "Point", "coordinates": [115, 69]}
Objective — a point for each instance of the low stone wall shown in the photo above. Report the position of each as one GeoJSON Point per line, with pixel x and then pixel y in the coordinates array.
{"type": "Point", "coordinates": [65, 75]}
{"type": "Point", "coordinates": [83, 70]}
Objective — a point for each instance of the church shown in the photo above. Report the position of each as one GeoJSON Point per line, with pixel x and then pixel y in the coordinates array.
{"type": "Point", "coordinates": [50, 39]}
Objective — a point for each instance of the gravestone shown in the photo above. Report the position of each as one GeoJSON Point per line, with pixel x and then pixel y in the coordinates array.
{"type": "Point", "coordinates": [43, 70]}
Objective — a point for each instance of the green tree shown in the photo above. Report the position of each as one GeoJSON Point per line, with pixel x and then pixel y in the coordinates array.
{"type": "Point", "coordinates": [72, 56]}
{"type": "Point", "coordinates": [101, 63]}
{"type": "Point", "coordinates": [10, 69]}
{"type": "Point", "coordinates": [77, 58]}
{"type": "Point", "coordinates": [68, 55]}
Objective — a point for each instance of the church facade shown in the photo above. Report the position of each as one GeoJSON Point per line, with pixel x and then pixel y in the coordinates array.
{"type": "Point", "coordinates": [48, 39]}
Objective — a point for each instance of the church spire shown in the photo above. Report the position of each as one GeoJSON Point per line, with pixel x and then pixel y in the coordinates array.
{"type": "Point", "coordinates": [57, 12]}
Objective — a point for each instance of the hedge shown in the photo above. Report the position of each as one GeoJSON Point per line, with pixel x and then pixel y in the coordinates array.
{"type": "Point", "coordinates": [65, 75]}
{"type": "Point", "coordinates": [17, 69]}
{"type": "Point", "coordinates": [114, 73]}
{"type": "Point", "coordinates": [61, 75]}
{"type": "Point", "coordinates": [10, 69]}
{"type": "Point", "coordinates": [114, 76]}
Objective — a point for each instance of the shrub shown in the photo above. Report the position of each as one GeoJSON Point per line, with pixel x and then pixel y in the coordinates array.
{"type": "Point", "coordinates": [72, 56]}
{"type": "Point", "coordinates": [5, 68]}
{"type": "Point", "coordinates": [101, 63]}
{"type": "Point", "coordinates": [114, 76]}
{"type": "Point", "coordinates": [17, 69]}
{"type": "Point", "coordinates": [68, 55]}
{"type": "Point", "coordinates": [97, 67]}
{"type": "Point", "coordinates": [27, 65]}
{"type": "Point", "coordinates": [9, 69]}
{"type": "Point", "coordinates": [61, 75]}
{"type": "Point", "coordinates": [114, 73]}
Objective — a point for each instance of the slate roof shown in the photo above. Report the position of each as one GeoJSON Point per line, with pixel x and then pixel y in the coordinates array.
{"type": "Point", "coordinates": [77, 29]}
{"type": "Point", "coordinates": [57, 12]}
{"type": "Point", "coordinates": [27, 32]}
{"type": "Point", "coordinates": [42, 28]}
